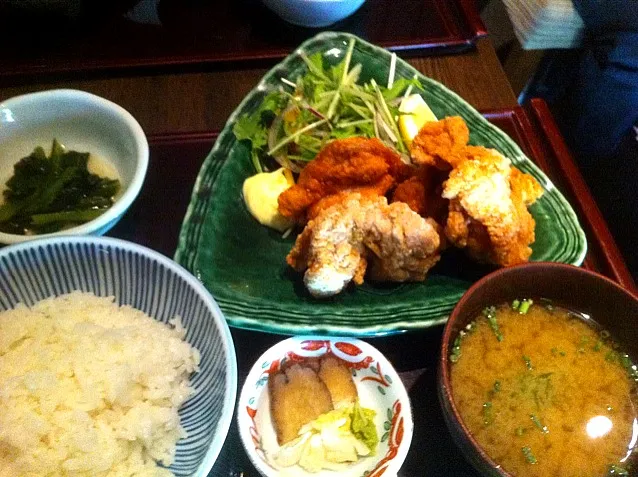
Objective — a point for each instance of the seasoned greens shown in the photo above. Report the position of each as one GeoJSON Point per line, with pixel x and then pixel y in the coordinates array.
{"type": "Point", "coordinates": [48, 194]}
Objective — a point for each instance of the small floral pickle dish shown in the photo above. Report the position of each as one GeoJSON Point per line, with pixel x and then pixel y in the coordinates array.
{"type": "Point", "coordinates": [243, 264]}
{"type": "Point", "coordinates": [379, 387]}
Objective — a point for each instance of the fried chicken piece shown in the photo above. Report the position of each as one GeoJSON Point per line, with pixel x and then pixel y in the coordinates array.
{"type": "Point", "coordinates": [336, 246]}
{"type": "Point", "coordinates": [422, 193]}
{"type": "Point", "coordinates": [337, 377]}
{"type": "Point", "coordinates": [328, 201]}
{"type": "Point", "coordinates": [488, 213]}
{"type": "Point", "coordinates": [437, 143]}
{"type": "Point", "coordinates": [343, 165]}
{"type": "Point", "coordinates": [297, 396]}
{"type": "Point", "coordinates": [525, 187]}
{"type": "Point", "coordinates": [413, 193]}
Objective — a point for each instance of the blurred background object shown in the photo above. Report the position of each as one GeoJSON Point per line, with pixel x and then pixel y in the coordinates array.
{"type": "Point", "coordinates": [591, 85]}
{"type": "Point", "coordinates": [543, 24]}
{"type": "Point", "coordinates": [313, 13]}
{"type": "Point", "coordinates": [68, 9]}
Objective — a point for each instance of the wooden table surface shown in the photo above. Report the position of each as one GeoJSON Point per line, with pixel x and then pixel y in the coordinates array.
{"type": "Point", "coordinates": [202, 100]}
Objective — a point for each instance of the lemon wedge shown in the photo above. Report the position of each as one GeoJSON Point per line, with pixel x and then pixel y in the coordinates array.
{"type": "Point", "coordinates": [415, 113]}
{"type": "Point", "coordinates": [261, 192]}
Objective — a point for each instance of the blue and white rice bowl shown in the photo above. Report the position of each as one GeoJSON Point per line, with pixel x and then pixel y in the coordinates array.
{"type": "Point", "coordinates": [146, 280]}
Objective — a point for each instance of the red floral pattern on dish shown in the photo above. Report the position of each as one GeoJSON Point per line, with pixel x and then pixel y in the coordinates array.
{"type": "Point", "coordinates": [380, 378]}
{"type": "Point", "coordinates": [394, 441]}
{"type": "Point", "coordinates": [254, 434]}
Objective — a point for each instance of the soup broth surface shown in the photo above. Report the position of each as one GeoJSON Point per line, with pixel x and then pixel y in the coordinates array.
{"type": "Point", "coordinates": [545, 393]}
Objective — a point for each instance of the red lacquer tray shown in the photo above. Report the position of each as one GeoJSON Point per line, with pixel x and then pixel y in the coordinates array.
{"type": "Point", "coordinates": [206, 33]}
{"type": "Point", "coordinates": [155, 218]}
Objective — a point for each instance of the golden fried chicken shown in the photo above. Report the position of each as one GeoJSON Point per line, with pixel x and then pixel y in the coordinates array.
{"type": "Point", "coordinates": [525, 187]}
{"type": "Point", "coordinates": [336, 247]}
{"type": "Point", "coordinates": [343, 165]}
{"type": "Point", "coordinates": [438, 142]}
{"type": "Point", "coordinates": [422, 193]}
{"type": "Point", "coordinates": [413, 193]}
{"type": "Point", "coordinates": [337, 377]}
{"type": "Point", "coordinates": [328, 201]}
{"type": "Point", "coordinates": [488, 213]}
{"type": "Point", "coordinates": [297, 396]}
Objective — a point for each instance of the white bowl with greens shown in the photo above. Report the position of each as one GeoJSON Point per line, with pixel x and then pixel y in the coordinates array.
{"type": "Point", "coordinates": [87, 159]}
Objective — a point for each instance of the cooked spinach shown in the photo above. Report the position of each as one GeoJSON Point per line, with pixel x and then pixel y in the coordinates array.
{"type": "Point", "coordinates": [47, 194]}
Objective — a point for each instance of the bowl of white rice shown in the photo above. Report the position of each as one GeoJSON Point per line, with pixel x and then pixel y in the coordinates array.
{"type": "Point", "coordinates": [114, 361]}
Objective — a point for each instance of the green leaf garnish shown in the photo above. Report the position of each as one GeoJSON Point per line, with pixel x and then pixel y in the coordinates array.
{"type": "Point", "coordinates": [528, 362]}
{"type": "Point", "coordinates": [529, 456]}
{"type": "Point", "coordinates": [490, 314]}
{"type": "Point", "coordinates": [48, 193]}
{"type": "Point", "coordinates": [524, 307]}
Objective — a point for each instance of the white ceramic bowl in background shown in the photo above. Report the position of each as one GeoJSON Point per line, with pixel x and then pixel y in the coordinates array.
{"type": "Point", "coordinates": [82, 122]}
{"type": "Point", "coordinates": [313, 13]}
{"type": "Point", "coordinates": [154, 284]}
{"type": "Point", "coordinates": [379, 387]}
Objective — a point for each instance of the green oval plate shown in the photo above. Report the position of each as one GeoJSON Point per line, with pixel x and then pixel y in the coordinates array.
{"type": "Point", "coordinates": [243, 263]}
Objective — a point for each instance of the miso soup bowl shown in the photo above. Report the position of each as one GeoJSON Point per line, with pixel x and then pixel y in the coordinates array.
{"type": "Point", "coordinates": [612, 306]}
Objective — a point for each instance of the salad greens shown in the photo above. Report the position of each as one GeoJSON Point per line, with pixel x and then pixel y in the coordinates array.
{"type": "Point", "coordinates": [293, 123]}
{"type": "Point", "coordinates": [47, 194]}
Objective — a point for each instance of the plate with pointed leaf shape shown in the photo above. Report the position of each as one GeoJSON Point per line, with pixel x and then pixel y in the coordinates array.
{"type": "Point", "coordinates": [242, 263]}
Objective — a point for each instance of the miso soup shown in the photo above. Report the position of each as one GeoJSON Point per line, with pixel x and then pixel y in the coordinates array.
{"type": "Point", "coordinates": [546, 392]}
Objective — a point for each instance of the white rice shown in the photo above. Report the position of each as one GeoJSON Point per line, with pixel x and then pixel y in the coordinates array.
{"type": "Point", "coordinates": [88, 388]}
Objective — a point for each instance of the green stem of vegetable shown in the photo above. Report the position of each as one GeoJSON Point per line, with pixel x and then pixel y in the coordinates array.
{"type": "Point", "coordinates": [333, 104]}
{"type": "Point", "coordinates": [358, 93]}
{"type": "Point", "coordinates": [358, 122]}
{"type": "Point", "coordinates": [375, 124]}
{"type": "Point", "coordinates": [344, 76]}
{"type": "Point", "coordinates": [66, 216]}
{"type": "Point", "coordinates": [348, 58]}
{"type": "Point", "coordinates": [388, 116]}
{"type": "Point", "coordinates": [360, 110]}
{"type": "Point", "coordinates": [254, 157]}
{"type": "Point", "coordinates": [294, 136]}
{"type": "Point", "coordinates": [371, 108]}
{"type": "Point", "coordinates": [408, 91]}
